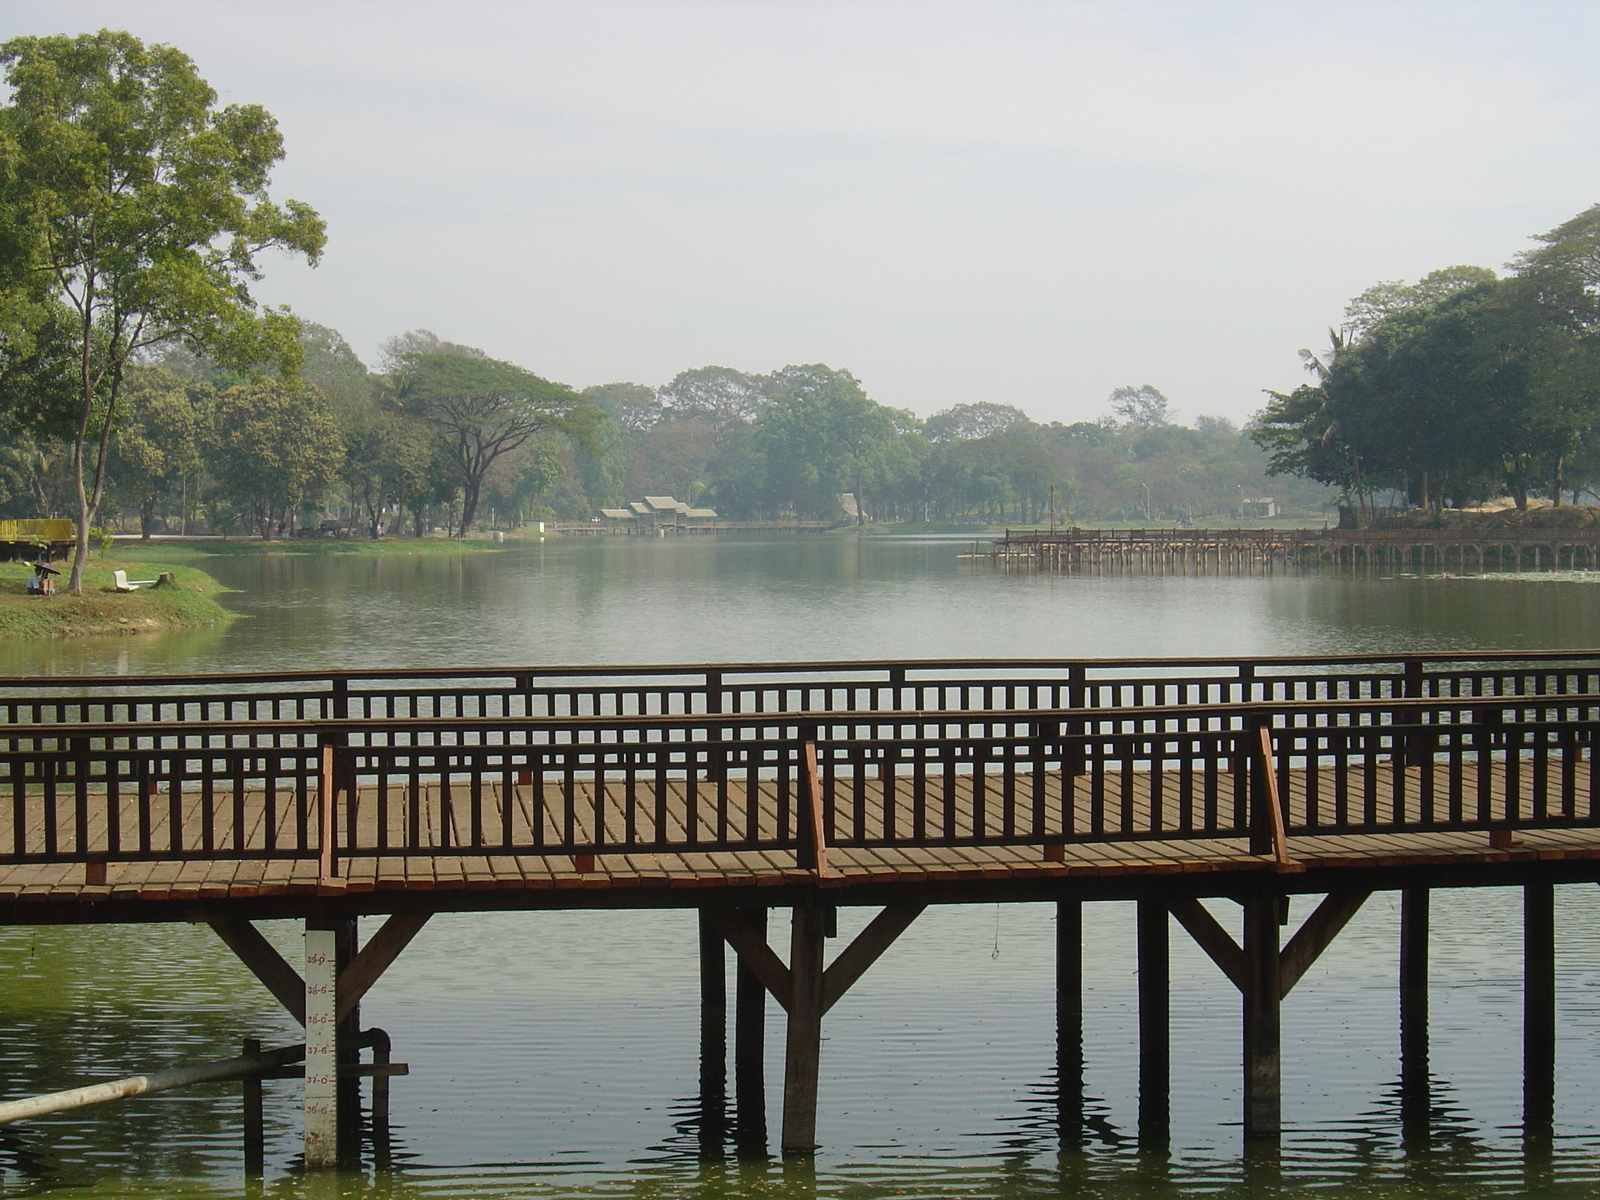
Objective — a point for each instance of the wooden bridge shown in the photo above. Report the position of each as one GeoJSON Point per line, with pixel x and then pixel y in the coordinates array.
{"type": "Point", "coordinates": [1246, 549]}
{"type": "Point", "coordinates": [738, 788]}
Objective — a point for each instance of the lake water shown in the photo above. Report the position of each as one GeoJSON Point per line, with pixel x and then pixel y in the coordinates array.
{"type": "Point", "coordinates": [555, 1054]}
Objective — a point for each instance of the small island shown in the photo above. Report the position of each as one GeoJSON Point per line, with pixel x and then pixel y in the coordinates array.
{"type": "Point", "coordinates": [188, 601]}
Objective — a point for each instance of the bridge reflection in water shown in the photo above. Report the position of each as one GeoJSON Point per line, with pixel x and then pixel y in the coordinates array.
{"type": "Point", "coordinates": [738, 788]}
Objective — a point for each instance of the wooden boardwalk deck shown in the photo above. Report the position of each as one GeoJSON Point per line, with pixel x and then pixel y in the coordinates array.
{"type": "Point", "coordinates": [454, 872]}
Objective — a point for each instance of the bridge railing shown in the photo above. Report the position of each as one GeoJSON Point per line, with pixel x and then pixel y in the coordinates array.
{"type": "Point", "coordinates": [797, 783]}
{"type": "Point", "coordinates": [764, 688]}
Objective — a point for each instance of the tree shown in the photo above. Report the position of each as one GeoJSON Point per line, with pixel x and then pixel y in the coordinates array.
{"type": "Point", "coordinates": [720, 396]}
{"type": "Point", "coordinates": [1386, 299]}
{"type": "Point", "coordinates": [484, 408]}
{"type": "Point", "coordinates": [141, 206]}
{"type": "Point", "coordinates": [399, 349]}
{"type": "Point", "coordinates": [823, 435]}
{"type": "Point", "coordinates": [1142, 407]}
{"type": "Point", "coordinates": [157, 442]}
{"type": "Point", "coordinates": [1462, 386]}
{"type": "Point", "coordinates": [273, 448]}
{"type": "Point", "coordinates": [965, 422]}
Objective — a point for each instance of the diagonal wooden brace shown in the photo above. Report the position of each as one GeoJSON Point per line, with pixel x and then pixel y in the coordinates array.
{"type": "Point", "coordinates": [381, 950]}
{"type": "Point", "coordinates": [1304, 948]}
{"type": "Point", "coordinates": [851, 964]}
{"type": "Point", "coordinates": [264, 961]}
{"type": "Point", "coordinates": [751, 946]}
{"type": "Point", "coordinates": [865, 950]}
{"type": "Point", "coordinates": [1315, 936]}
{"type": "Point", "coordinates": [1211, 937]}
{"type": "Point", "coordinates": [285, 983]}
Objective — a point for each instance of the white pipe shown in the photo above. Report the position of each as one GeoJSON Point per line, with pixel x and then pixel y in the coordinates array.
{"type": "Point", "coordinates": [156, 1081]}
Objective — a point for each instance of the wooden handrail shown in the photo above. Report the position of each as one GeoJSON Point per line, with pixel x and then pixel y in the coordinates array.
{"type": "Point", "coordinates": [885, 717]}
{"type": "Point", "coordinates": [690, 671]}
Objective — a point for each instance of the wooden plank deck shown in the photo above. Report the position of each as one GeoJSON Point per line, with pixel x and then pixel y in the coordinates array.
{"type": "Point", "coordinates": [1125, 803]}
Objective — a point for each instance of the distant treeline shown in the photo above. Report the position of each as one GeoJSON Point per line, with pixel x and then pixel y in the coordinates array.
{"type": "Point", "coordinates": [441, 436]}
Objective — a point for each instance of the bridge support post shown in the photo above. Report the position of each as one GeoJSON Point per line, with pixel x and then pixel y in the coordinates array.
{"type": "Point", "coordinates": [1069, 1021]}
{"type": "Point", "coordinates": [802, 1058]}
{"type": "Point", "coordinates": [322, 1059]}
{"type": "Point", "coordinates": [1263, 1098]}
{"type": "Point", "coordinates": [1155, 1056]}
{"type": "Point", "coordinates": [255, 1137]}
{"type": "Point", "coordinates": [1415, 1101]}
{"type": "Point", "coordinates": [749, 1047]}
{"type": "Point", "coordinates": [348, 1048]}
{"type": "Point", "coordinates": [713, 1036]}
{"type": "Point", "coordinates": [1538, 1009]}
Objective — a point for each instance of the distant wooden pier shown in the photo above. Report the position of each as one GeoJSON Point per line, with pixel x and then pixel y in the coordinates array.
{"type": "Point", "coordinates": [1265, 549]}
{"type": "Point", "coordinates": [666, 528]}
{"type": "Point", "coordinates": [735, 789]}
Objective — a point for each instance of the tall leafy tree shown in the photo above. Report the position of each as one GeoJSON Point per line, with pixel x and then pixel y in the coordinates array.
{"type": "Point", "coordinates": [725, 399]}
{"type": "Point", "coordinates": [963, 422]}
{"type": "Point", "coordinates": [142, 206]}
{"type": "Point", "coordinates": [824, 435]}
{"type": "Point", "coordinates": [158, 441]}
{"type": "Point", "coordinates": [273, 447]}
{"type": "Point", "coordinates": [484, 408]}
{"type": "Point", "coordinates": [1143, 407]}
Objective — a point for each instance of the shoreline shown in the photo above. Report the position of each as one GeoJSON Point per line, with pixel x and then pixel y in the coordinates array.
{"type": "Point", "coordinates": [190, 602]}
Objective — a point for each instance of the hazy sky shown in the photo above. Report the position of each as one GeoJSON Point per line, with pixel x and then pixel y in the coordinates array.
{"type": "Point", "coordinates": [1029, 203]}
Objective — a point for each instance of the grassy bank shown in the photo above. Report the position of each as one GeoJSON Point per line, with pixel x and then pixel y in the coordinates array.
{"type": "Point", "coordinates": [191, 550]}
{"type": "Point", "coordinates": [190, 602]}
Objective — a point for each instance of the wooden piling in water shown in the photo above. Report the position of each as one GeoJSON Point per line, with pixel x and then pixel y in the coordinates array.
{"type": "Point", "coordinates": [713, 1030]}
{"type": "Point", "coordinates": [1155, 1055]}
{"type": "Point", "coordinates": [1538, 1009]}
{"type": "Point", "coordinates": [749, 1047]}
{"type": "Point", "coordinates": [1263, 1102]}
{"type": "Point", "coordinates": [254, 1118]}
{"type": "Point", "coordinates": [1069, 1020]}
{"type": "Point", "coordinates": [1415, 1100]}
{"type": "Point", "coordinates": [802, 1055]}
{"type": "Point", "coordinates": [347, 1036]}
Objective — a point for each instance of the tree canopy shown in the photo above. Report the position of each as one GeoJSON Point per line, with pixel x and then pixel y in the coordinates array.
{"type": "Point", "coordinates": [485, 409]}
{"type": "Point", "coordinates": [140, 206]}
{"type": "Point", "coordinates": [1461, 386]}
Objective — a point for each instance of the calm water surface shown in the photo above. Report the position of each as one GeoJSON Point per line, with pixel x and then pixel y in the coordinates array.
{"type": "Point", "coordinates": [554, 1054]}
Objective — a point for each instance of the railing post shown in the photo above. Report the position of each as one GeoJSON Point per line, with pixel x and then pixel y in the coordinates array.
{"type": "Point", "coordinates": [1411, 753]}
{"type": "Point", "coordinates": [327, 810]}
{"type": "Point", "coordinates": [1073, 759]}
{"type": "Point", "coordinates": [813, 852]}
{"type": "Point", "coordinates": [1258, 725]}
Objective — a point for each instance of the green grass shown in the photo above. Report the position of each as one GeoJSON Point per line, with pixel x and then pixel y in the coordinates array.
{"type": "Point", "coordinates": [190, 551]}
{"type": "Point", "coordinates": [191, 602]}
